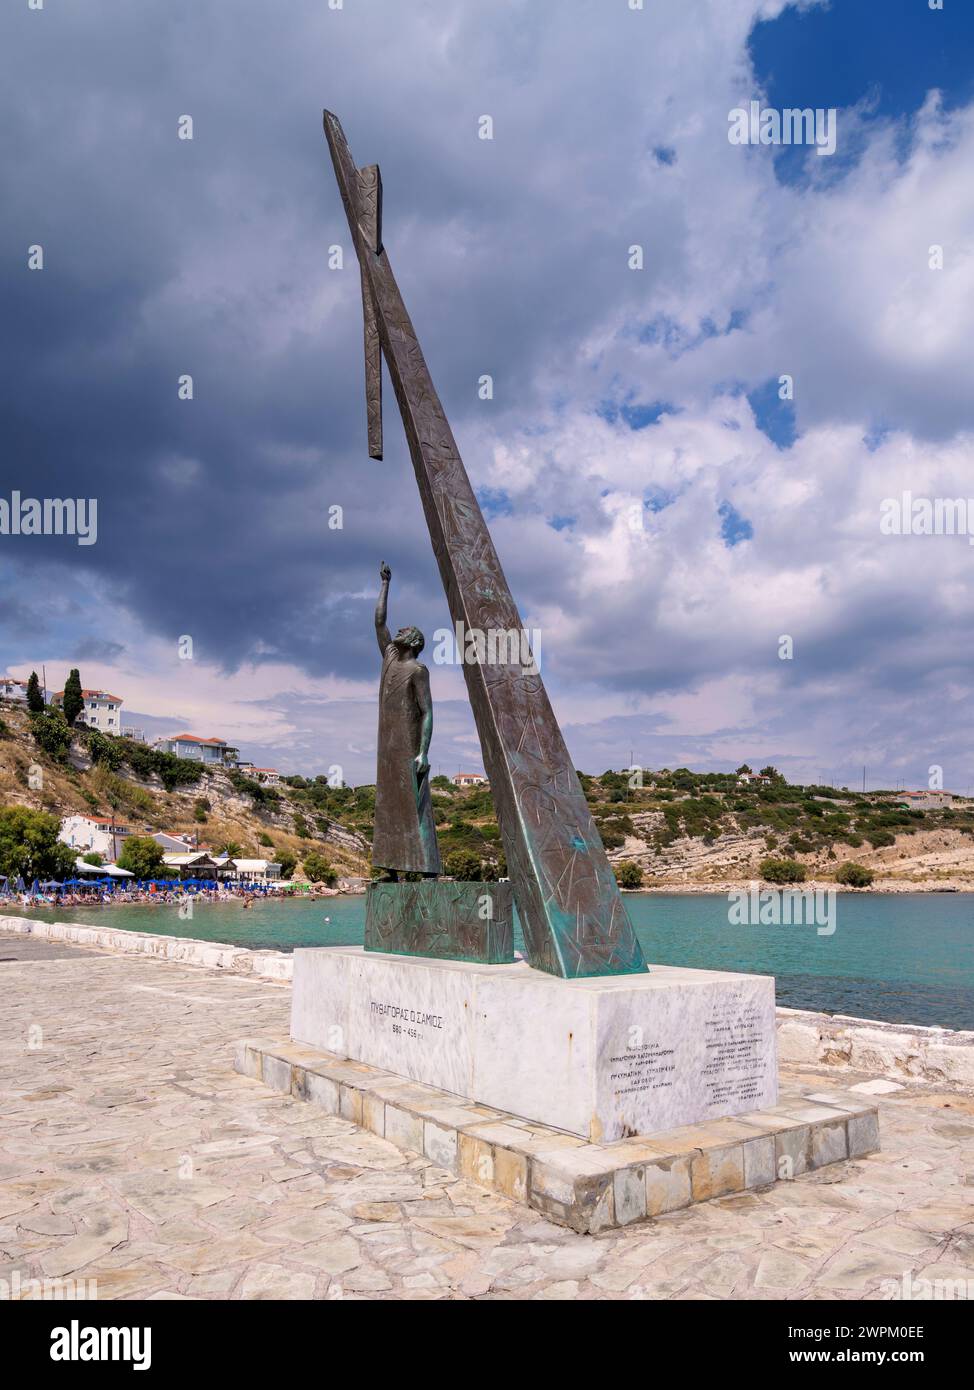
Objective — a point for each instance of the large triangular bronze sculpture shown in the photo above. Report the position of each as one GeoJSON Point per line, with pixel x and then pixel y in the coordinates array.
{"type": "Point", "coordinates": [571, 911]}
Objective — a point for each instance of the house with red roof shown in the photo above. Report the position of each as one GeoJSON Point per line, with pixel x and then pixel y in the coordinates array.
{"type": "Point", "coordinates": [12, 689]}
{"type": "Point", "coordinates": [102, 710]}
{"type": "Point", "coordinates": [214, 752]}
{"type": "Point", "coordinates": [102, 834]}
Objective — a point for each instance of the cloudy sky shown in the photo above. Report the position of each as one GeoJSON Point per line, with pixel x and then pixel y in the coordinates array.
{"type": "Point", "coordinates": [663, 517]}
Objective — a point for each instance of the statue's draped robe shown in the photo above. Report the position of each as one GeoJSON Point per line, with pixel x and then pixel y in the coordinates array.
{"type": "Point", "coordinates": [405, 836]}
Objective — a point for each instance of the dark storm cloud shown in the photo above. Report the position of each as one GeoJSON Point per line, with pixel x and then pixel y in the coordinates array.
{"type": "Point", "coordinates": [208, 257]}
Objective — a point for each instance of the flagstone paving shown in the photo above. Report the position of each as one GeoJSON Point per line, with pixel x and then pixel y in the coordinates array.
{"type": "Point", "coordinates": [132, 1154]}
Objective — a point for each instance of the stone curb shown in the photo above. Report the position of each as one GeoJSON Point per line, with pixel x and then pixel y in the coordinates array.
{"type": "Point", "coordinates": [915, 1053]}
{"type": "Point", "coordinates": [941, 1056]}
{"type": "Point", "coordinates": [236, 960]}
{"type": "Point", "coordinates": [587, 1187]}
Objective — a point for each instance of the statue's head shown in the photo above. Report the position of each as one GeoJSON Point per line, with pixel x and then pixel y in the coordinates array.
{"type": "Point", "coordinates": [409, 640]}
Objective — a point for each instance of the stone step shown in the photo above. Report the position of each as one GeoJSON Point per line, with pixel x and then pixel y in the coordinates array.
{"type": "Point", "coordinates": [587, 1187]}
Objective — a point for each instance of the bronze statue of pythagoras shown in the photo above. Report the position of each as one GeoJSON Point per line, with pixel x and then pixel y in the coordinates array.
{"type": "Point", "coordinates": [568, 902]}
{"type": "Point", "coordinates": [405, 836]}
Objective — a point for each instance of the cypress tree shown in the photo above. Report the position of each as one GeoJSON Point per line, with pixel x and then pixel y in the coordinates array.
{"type": "Point", "coordinates": [73, 699]}
{"type": "Point", "coordinates": [35, 700]}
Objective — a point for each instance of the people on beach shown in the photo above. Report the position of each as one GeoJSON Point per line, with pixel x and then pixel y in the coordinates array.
{"type": "Point", "coordinates": [159, 892]}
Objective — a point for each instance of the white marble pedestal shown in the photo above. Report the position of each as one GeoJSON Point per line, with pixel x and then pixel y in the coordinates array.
{"type": "Point", "coordinates": [603, 1058]}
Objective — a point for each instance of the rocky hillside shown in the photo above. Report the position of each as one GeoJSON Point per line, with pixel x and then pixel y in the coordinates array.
{"type": "Point", "coordinates": [221, 805]}
{"type": "Point", "coordinates": [683, 829]}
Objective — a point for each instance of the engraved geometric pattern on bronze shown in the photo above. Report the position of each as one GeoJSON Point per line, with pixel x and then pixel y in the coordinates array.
{"type": "Point", "coordinates": [571, 911]}
{"type": "Point", "coordinates": [441, 919]}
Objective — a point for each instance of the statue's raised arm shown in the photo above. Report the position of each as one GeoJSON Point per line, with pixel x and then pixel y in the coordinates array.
{"type": "Point", "coordinates": [382, 634]}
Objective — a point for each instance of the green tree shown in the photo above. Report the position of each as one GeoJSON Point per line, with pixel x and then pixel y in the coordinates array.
{"type": "Point", "coordinates": [742, 769]}
{"type": "Point", "coordinates": [103, 750]}
{"type": "Point", "coordinates": [318, 869]}
{"type": "Point", "coordinates": [854, 875]}
{"type": "Point", "coordinates": [232, 848]}
{"type": "Point", "coordinates": [782, 871]}
{"type": "Point", "coordinates": [35, 698]}
{"type": "Point", "coordinates": [51, 732]}
{"type": "Point", "coordinates": [611, 838]}
{"type": "Point", "coordinates": [142, 857]}
{"type": "Point", "coordinates": [288, 863]}
{"type": "Point", "coordinates": [92, 857]}
{"type": "Point", "coordinates": [629, 874]}
{"type": "Point", "coordinates": [73, 700]}
{"type": "Point", "coordinates": [29, 845]}
{"type": "Point", "coordinates": [463, 866]}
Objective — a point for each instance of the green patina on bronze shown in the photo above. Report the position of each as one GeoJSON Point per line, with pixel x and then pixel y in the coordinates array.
{"type": "Point", "coordinates": [404, 840]}
{"type": "Point", "coordinates": [568, 902]}
{"type": "Point", "coordinates": [443, 920]}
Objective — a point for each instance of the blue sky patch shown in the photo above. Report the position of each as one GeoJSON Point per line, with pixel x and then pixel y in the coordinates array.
{"type": "Point", "coordinates": [636, 415]}
{"type": "Point", "coordinates": [656, 498]}
{"type": "Point", "coordinates": [773, 416]}
{"type": "Point", "coordinates": [886, 56]}
{"type": "Point", "coordinates": [494, 501]}
{"type": "Point", "coordinates": [734, 528]}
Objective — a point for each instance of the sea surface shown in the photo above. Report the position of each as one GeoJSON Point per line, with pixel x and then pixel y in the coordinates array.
{"type": "Point", "coordinates": [905, 958]}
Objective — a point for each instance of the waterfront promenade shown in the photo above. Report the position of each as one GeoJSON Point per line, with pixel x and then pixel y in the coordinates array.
{"type": "Point", "coordinates": [132, 1154]}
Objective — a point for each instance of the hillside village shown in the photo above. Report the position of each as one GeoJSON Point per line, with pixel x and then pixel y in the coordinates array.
{"type": "Point", "coordinates": [211, 812]}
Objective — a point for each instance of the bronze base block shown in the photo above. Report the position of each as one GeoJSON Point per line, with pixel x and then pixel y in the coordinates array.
{"type": "Point", "coordinates": [444, 920]}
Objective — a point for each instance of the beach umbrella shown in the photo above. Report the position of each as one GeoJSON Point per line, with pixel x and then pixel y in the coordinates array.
{"type": "Point", "coordinates": [52, 883]}
{"type": "Point", "coordinates": [19, 885]}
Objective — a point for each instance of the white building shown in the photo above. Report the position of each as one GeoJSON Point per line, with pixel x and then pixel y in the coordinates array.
{"type": "Point", "coordinates": [212, 751]}
{"type": "Point", "coordinates": [469, 779]}
{"type": "Point", "coordinates": [268, 775]}
{"type": "Point", "coordinates": [258, 870]}
{"type": "Point", "coordinates": [746, 779]}
{"type": "Point", "coordinates": [87, 833]}
{"type": "Point", "coordinates": [11, 689]}
{"type": "Point", "coordinates": [102, 710]}
{"type": "Point", "coordinates": [927, 800]}
{"type": "Point", "coordinates": [176, 843]}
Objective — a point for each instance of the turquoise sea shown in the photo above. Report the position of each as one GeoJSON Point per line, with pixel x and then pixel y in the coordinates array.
{"type": "Point", "coordinates": [906, 958]}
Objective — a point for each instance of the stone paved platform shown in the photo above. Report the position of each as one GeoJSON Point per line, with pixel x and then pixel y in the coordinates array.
{"type": "Point", "coordinates": [588, 1187]}
{"type": "Point", "coordinates": [131, 1153]}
